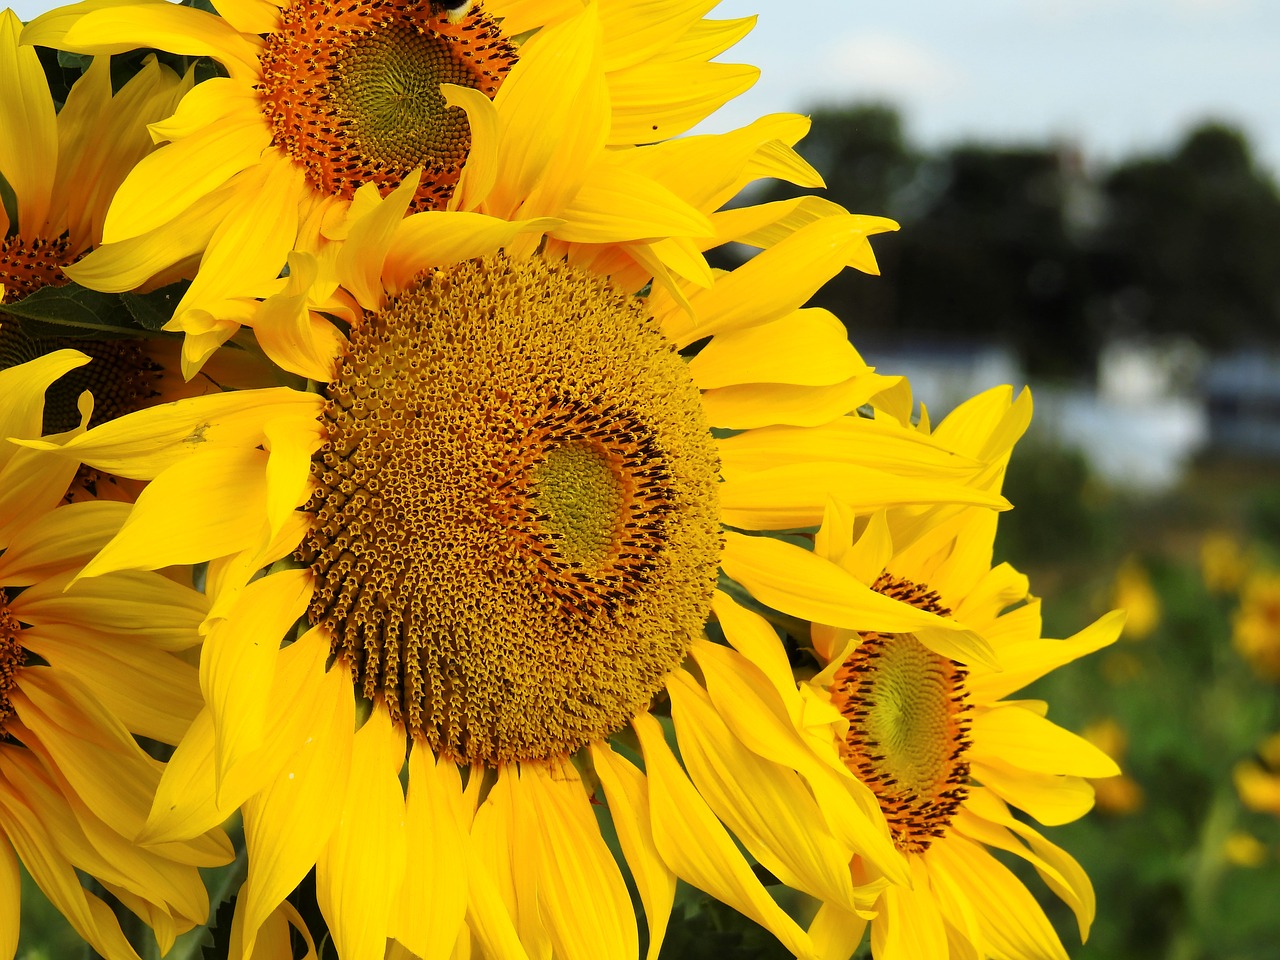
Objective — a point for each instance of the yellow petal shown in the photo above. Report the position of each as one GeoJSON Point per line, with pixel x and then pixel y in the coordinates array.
{"type": "Point", "coordinates": [656, 101]}
{"type": "Point", "coordinates": [22, 391]}
{"type": "Point", "coordinates": [28, 130]}
{"type": "Point", "coordinates": [614, 204]}
{"type": "Point", "coordinates": [58, 539]}
{"type": "Point", "coordinates": [188, 801]}
{"type": "Point", "coordinates": [1018, 737]}
{"type": "Point", "coordinates": [766, 224]}
{"type": "Point", "coordinates": [1052, 799]}
{"type": "Point", "coordinates": [291, 333]}
{"type": "Point", "coordinates": [433, 899]}
{"type": "Point", "coordinates": [504, 842]}
{"type": "Point", "coordinates": [745, 702]}
{"type": "Point", "coordinates": [140, 445]}
{"type": "Point", "coordinates": [238, 661]}
{"type": "Point", "coordinates": [273, 941]}
{"type": "Point", "coordinates": [808, 347]}
{"type": "Point", "coordinates": [698, 849]}
{"type": "Point", "coordinates": [1031, 659]}
{"type": "Point", "coordinates": [359, 873]}
{"type": "Point", "coordinates": [133, 608]}
{"type": "Point", "coordinates": [10, 901]}
{"type": "Point", "coordinates": [796, 581]}
{"type": "Point", "coordinates": [836, 933]}
{"type": "Point", "coordinates": [229, 487]}
{"type": "Point", "coordinates": [581, 895]}
{"type": "Point", "coordinates": [774, 283]}
{"type": "Point", "coordinates": [153, 694]}
{"type": "Point", "coordinates": [1012, 923]}
{"type": "Point", "coordinates": [481, 170]}
{"type": "Point", "coordinates": [291, 441]}
{"type": "Point", "coordinates": [745, 406]}
{"type": "Point", "coordinates": [909, 925]}
{"type": "Point", "coordinates": [554, 113]}
{"type": "Point", "coordinates": [181, 30]}
{"type": "Point", "coordinates": [879, 443]}
{"type": "Point", "coordinates": [766, 805]}
{"type": "Point", "coordinates": [89, 916]}
{"type": "Point", "coordinates": [624, 787]}
{"type": "Point", "coordinates": [750, 634]}
{"type": "Point", "coordinates": [288, 823]}
{"type": "Point", "coordinates": [634, 33]}
{"type": "Point", "coordinates": [795, 495]}
{"type": "Point", "coordinates": [985, 819]}
{"type": "Point", "coordinates": [436, 238]}
{"type": "Point", "coordinates": [251, 16]}
{"type": "Point", "coordinates": [251, 244]}
{"type": "Point", "coordinates": [359, 263]}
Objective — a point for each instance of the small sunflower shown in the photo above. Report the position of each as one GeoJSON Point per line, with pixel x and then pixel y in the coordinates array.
{"type": "Point", "coordinates": [1256, 624]}
{"type": "Point", "coordinates": [1258, 781]}
{"type": "Point", "coordinates": [64, 166]}
{"type": "Point", "coordinates": [512, 526]}
{"type": "Point", "coordinates": [323, 98]}
{"type": "Point", "coordinates": [920, 717]}
{"type": "Point", "coordinates": [83, 667]}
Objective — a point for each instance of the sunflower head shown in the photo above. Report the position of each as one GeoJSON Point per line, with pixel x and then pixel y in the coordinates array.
{"type": "Point", "coordinates": [515, 534]}
{"type": "Point", "coordinates": [352, 90]}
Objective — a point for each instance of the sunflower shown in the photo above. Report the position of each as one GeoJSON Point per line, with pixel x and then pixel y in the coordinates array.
{"type": "Point", "coordinates": [1258, 781]}
{"type": "Point", "coordinates": [64, 166]}
{"type": "Point", "coordinates": [323, 98]}
{"type": "Point", "coordinates": [921, 718]}
{"type": "Point", "coordinates": [513, 524]}
{"type": "Point", "coordinates": [84, 666]}
{"type": "Point", "coordinates": [1256, 624]}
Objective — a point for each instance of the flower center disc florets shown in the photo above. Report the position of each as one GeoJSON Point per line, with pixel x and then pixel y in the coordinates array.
{"type": "Point", "coordinates": [28, 265]}
{"type": "Point", "coordinates": [352, 91]}
{"type": "Point", "coordinates": [12, 658]}
{"type": "Point", "coordinates": [515, 528]}
{"type": "Point", "coordinates": [908, 729]}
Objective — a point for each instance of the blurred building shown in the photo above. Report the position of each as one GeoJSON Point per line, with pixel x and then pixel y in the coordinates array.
{"type": "Point", "coordinates": [1242, 392]}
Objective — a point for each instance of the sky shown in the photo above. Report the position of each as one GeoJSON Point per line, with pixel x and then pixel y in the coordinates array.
{"type": "Point", "coordinates": [1114, 77]}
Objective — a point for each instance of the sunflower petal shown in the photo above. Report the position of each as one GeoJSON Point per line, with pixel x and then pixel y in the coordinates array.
{"type": "Point", "coordinates": [581, 895]}
{"type": "Point", "coordinates": [433, 899]}
{"type": "Point", "coordinates": [57, 539]}
{"type": "Point", "coordinates": [360, 870]}
{"type": "Point", "coordinates": [288, 823]}
{"type": "Point", "coordinates": [1029, 660]}
{"type": "Point", "coordinates": [28, 131]}
{"type": "Point", "coordinates": [698, 849]}
{"type": "Point", "coordinates": [624, 787]}
{"type": "Point", "coordinates": [1020, 738]}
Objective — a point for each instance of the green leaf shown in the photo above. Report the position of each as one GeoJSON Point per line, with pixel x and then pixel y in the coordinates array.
{"type": "Point", "coordinates": [153, 310]}
{"type": "Point", "coordinates": [74, 311]}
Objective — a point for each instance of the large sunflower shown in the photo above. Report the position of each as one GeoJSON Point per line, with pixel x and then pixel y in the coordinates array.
{"type": "Point", "coordinates": [924, 722]}
{"type": "Point", "coordinates": [322, 98]}
{"type": "Point", "coordinates": [511, 533]}
{"type": "Point", "coordinates": [83, 666]}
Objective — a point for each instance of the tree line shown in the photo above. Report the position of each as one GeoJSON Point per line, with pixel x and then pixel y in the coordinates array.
{"type": "Point", "coordinates": [1027, 246]}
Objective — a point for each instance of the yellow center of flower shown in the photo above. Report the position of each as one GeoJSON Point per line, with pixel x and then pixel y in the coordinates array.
{"type": "Point", "coordinates": [352, 91]}
{"type": "Point", "coordinates": [28, 265]}
{"type": "Point", "coordinates": [515, 530]}
{"type": "Point", "coordinates": [908, 732]}
{"type": "Point", "coordinates": [12, 658]}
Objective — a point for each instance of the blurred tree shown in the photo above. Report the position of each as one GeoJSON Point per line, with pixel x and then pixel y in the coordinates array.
{"type": "Point", "coordinates": [988, 246]}
{"type": "Point", "coordinates": [1188, 244]}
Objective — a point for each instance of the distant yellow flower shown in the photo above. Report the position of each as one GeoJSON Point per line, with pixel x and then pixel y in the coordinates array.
{"type": "Point", "coordinates": [1119, 795]}
{"type": "Point", "coordinates": [1244, 850]}
{"type": "Point", "coordinates": [83, 666]}
{"type": "Point", "coordinates": [1259, 783]}
{"type": "Point", "coordinates": [1224, 564]}
{"type": "Point", "coordinates": [515, 518]}
{"type": "Point", "coordinates": [1133, 593]}
{"type": "Point", "coordinates": [1256, 624]}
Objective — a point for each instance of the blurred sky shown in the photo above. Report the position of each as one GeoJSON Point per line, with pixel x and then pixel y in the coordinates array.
{"type": "Point", "coordinates": [1114, 76]}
